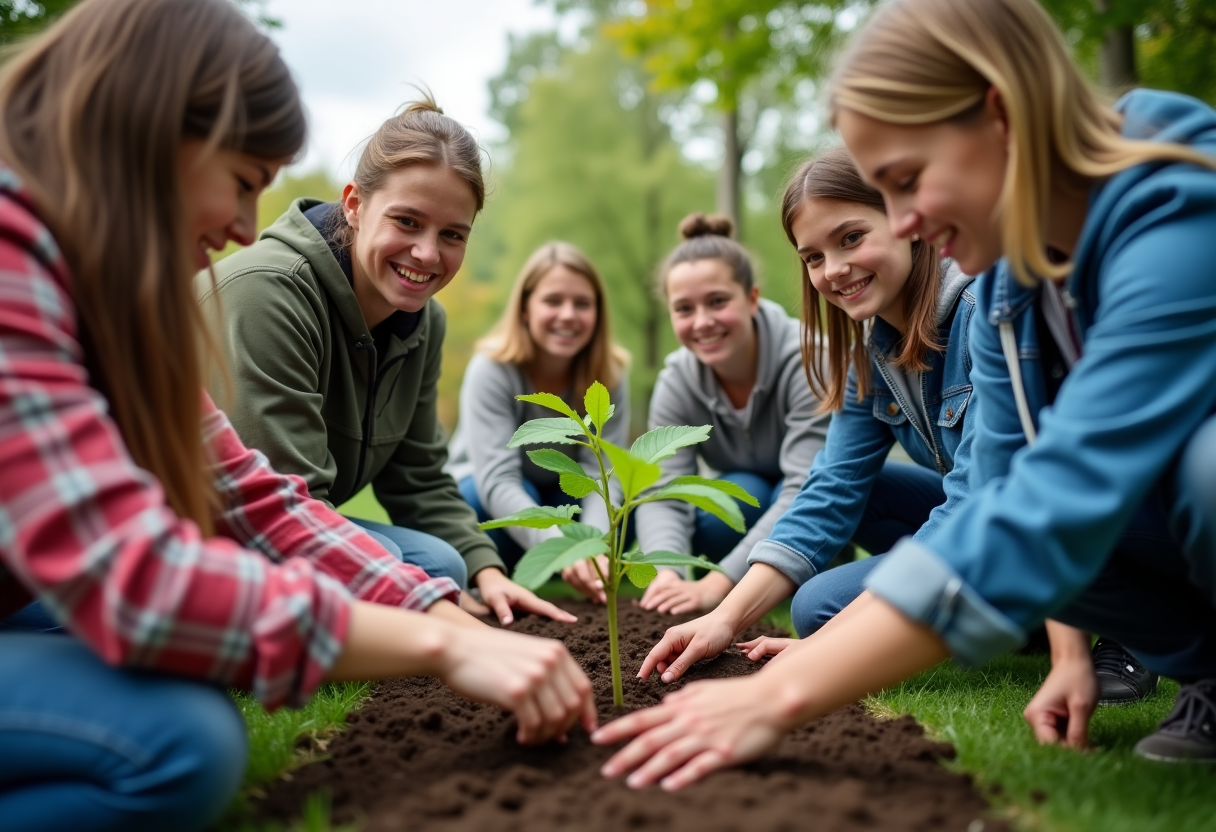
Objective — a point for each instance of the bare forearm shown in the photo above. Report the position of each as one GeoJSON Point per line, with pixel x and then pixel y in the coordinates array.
{"type": "Point", "coordinates": [1067, 643]}
{"type": "Point", "coordinates": [384, 642]}
{"type": "Point", "coordinates": [761, 589]}
{"type": "Point", "coordinates": [874, 647]}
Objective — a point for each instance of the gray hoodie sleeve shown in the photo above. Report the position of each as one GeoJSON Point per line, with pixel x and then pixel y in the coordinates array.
{"type": "Point", "coordinates": [488, 421]}
{"type": "Point", "coordinates": [667, 525]}
{"type": "Point", "coordinates": [806, 432]}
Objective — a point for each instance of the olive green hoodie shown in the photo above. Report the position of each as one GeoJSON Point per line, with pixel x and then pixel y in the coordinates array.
{"type": "Point", "coordinates": [313, 395]}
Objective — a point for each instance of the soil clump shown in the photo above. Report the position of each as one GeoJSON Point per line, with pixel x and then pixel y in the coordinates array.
{"type": "Point", "coordinates": [418, 757]}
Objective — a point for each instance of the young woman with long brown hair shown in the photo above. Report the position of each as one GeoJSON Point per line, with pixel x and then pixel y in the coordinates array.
{"type": "Point", "coordinates": [554, 336]}
{"type": "Point", "coordinates": [1092, 495]}
{"type": "Point", "coordinates": [136, 136]}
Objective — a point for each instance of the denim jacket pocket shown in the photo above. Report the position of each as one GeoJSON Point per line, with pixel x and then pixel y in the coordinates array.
{"type": "Point", "coordinates": [953, 406]}
{"type": "Point", "coordinates": [887, 410]}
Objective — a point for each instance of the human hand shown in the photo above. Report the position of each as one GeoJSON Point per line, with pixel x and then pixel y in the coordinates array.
{"type": "Point", "coordinates": [502, 595]}
{"type": "Point", "coordinates": [1060, 710]}
{"type": "Point", "coordinates": [758, 648]}
{"type": "Point", "coordinates": [675, 595]}
{"type": "Point", "coordinates": [704, 727]}
{"type": "Point", "coordinates": [534, 678]}
{"type": "Point", "coordinates": [686, 644]}
{"type": "Point", "coordinates": [583, 577]}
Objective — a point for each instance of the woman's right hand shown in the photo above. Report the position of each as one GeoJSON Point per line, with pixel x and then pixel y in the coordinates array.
{"type": "Point", "coordinates": [686, 644]}
{"type": "Point", "coordinates": [672, 594]}
{"type": "Point", "coordinates": [534, 678]}
{"type": "Point", "coordinates": [583, 577]}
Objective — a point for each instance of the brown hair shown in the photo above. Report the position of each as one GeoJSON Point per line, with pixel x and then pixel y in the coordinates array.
{"type": "Point", "coordinates": [602, 360]}
{"type": "Point", "coordinates": [927, 61]}
{"type": "Point", "coordinates": [709, 237]}
{"type": "Point", "coordinates": [419, 134]}
{"type": "Point", "coordinates": [832, 175]}
{"type": "Point", "coordinates": [95, 111]}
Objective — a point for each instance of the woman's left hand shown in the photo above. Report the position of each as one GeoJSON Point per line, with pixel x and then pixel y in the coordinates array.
{"type": "Point", "coordinates": [502, 595]}
{"type": "Point", "coordinates": [704, 727]}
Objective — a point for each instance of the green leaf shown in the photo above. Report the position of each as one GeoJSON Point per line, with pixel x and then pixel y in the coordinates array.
{"type": "Point", "coordinates": [641, 574]}
{"type": "Point", "coordinates": [582, 531]}
{"type": "Point", "coordinates": [535, 517]}
{"type": "Point", "coordinates": [634, 475]}
{"type": "Point", "coordinates": [550, 401]}
{"type": "Point", "coordinates": [661, 558]}
{"type": "Point", "coordinates": [554, 460]}
{"type": "Point", "coordinates": [598, 403]}
{"type": "Point", "coordinates": [546, 431]}
{"type": "Point", "coordinates": [663, 442]}
{"type": "Point", "coordinates": [706, 498]}
{"type": "Point", "coordinates": [578, 486]}
{"type": "Point", "coordinates": [725, 486]}
{"type": "Point", "coordinates": [554, 555]}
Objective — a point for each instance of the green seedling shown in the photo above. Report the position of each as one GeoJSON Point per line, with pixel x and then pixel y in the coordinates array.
{"type": "Point", "coordinates": [637, 474]}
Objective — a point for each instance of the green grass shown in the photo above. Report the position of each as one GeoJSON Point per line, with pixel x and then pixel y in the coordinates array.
{"type": "Point", "coordinates": [287, 739]}
{"type": "Point", "coordinates": [1108, 789]}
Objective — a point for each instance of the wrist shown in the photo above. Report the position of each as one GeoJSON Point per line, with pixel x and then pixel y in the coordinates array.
{"type": "Point", "coordinates": [489, 576]}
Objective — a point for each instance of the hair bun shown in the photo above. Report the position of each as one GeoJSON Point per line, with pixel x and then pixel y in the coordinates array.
{"type": "Point", "coordinates": [425, 104]}
{"type": "Point", "coordinates": [702, 225]}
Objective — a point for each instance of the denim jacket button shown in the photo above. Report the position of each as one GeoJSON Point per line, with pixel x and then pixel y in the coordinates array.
{"type": "Point", "coordinates": [892, 409]}
{"type": "Point", "coordinates": [949, 412]}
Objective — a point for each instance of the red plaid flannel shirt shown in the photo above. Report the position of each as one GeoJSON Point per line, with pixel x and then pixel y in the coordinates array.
{"type": "Point", "coordinates": [262, 606]}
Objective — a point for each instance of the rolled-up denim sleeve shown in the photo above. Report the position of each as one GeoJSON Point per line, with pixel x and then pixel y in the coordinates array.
{"type": "Point", "coordinates": [925, 588]}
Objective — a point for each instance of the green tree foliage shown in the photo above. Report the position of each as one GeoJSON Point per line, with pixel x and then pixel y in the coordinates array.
{"type": "Point", "coordinates": [1174, 40]}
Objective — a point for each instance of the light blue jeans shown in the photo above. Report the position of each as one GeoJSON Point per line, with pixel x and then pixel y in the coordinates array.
{"type": "Point", "coordinates": [433, 556]}
{"type": "Point", "coordinates": [87, 747]}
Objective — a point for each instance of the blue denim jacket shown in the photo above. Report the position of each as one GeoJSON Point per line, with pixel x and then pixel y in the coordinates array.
{"type": "Point", "coordinates": [1042, 520]}
{"type": "Point", "coordinates": [828, 509]}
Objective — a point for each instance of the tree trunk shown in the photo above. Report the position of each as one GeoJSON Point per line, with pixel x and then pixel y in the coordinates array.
{"type": "Point", "coordinates": [728, 178]}
{"type": "Point", "coordinates": [1117, 55]}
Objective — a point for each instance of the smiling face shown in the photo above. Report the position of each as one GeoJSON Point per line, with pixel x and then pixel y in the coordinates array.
{"type": "Point", "coordinates": [853, 259]}
{"type": "Point", "coordinates": [561, 313]}
{"type": "Point", "coordinates": [220, 193]}
{"type": "Point", "coordinates": [942, 181]}
{"type": "Point", "coordinates": [711, 313]}
{"type": "Point", "coordinates": [409, 237]}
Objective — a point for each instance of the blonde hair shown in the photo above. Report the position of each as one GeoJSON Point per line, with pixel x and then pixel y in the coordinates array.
{"type": "Point", "coordinates": [420, 134]}
{"type": "Point", "coordinates": [925, 61]}
{"type": "Point", "coordinates": [94, 114]}
{"type": "Point", "coordinates": [832, 175]}
{"type": "Point", "coordinates": [602, 360]}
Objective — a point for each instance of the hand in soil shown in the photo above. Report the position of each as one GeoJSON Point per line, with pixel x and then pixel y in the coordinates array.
{"type": "Point", "coordinates": [583, 577]}
{"type": "Point", "coordinates": [533, 678]}
{"type": "Point", "coordinates": [758, 648]}
{"type": "Point", "coordinates": [1060, 710]}
{"type": "Point", "coordinates": [669, 593]}
{"type": "Point", "coordinates": [704, 727]}
{"type": "Point", "coordinates": [502, 595]}
{"type": "Point", "coordinates": [684, 645]}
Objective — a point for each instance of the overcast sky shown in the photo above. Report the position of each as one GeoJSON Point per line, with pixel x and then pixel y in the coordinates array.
{"type": "Point", "coordinates": [354, 61]}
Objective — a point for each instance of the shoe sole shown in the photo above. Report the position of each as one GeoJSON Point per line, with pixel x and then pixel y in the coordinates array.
{"type": "Point", "coordinates": [1157, 758]}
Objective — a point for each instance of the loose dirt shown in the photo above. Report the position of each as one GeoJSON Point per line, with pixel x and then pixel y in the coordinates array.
{"type": "Point", "coordinates": [417, 757]}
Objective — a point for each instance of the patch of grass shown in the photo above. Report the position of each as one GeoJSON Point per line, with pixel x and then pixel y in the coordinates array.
{"type": "Point", "coordinates": [1108, 789]}
{"type": "Point", "coordinates": [285, 740]}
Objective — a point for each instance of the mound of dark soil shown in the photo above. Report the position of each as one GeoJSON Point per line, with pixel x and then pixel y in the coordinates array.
{"type": "Point", "coordinates": [417, 757]}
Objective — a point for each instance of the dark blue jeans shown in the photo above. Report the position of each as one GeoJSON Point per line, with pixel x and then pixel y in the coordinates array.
{"type": "Point", "coordinates": [713, 538]}
{"type": "Point", "coordinates": [88, 747]}
{"type": "Point", "coordinates": [1156, 595]}
{"type": "Point", "coordinates": [433, 556]}
{"type": "Point", "coordinates": [899, 504]}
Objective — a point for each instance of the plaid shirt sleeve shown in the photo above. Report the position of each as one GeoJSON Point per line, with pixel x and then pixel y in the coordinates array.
{"type": "Point", "coordinates": [90, 534]}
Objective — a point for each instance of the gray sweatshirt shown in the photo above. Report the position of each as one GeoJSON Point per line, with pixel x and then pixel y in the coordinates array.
{"type": "Point", "coordinates": [776, 435]}
{"type": "Point", "coordinates": [489, 416]}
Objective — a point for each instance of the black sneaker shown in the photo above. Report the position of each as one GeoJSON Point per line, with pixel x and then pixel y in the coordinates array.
{"type": "Point", "coordinates": [1121, 679]}
{"type": "Point", "coordinates": [1188, 734]}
